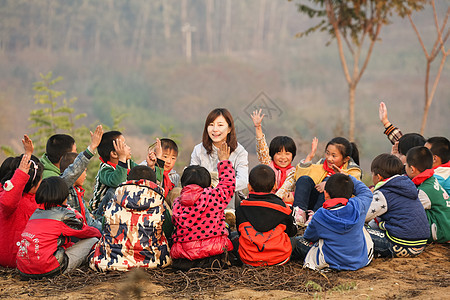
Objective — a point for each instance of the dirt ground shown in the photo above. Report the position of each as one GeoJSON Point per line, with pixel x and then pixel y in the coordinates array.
{"type": "Point", "coordinates": [424, 277]}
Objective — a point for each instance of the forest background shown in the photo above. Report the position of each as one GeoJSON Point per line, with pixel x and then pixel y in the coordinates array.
{"type": "Point", "coordinates": [132, 59]}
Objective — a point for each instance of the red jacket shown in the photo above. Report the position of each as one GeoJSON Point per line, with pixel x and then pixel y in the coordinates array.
{"type": "Point", "coordinates": [199, 220]}
{"type": "Point", "coordinates": [45, 238]}
{"type": "Point", "coordinates": [15, 210]}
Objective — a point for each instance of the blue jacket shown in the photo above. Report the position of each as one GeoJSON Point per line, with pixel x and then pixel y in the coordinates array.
{"type": "Point", "coordinates": [341, 229]}
{"type": "Point", "coordinates": [405, 220]}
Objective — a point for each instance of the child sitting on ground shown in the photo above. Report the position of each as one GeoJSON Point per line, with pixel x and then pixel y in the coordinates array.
{"type": "Point", "coordinates": [76, 192]}
{"type": "Point", "coordinates": [57, 146]}
{"type": "Point", "coordinates": [440, 147]}
{"type": "Point", "coordinates": [264, 222]}
{"type": "Point", "coordinates": [336, 237]}
{"type": "Point", "coordinates": [434, 198]}
{"type": "Point", "coordinates": [46, 249]}
{"type": "Point", "coordinates": [402, 222]}
{"type": "Point", "coordinates": [133, 235]}
{"type": "Point", "coordinates": [279, 156]}
{"type": "Point", "coordinates": [21, 178]}
{"type": "Point", "coordinates": [200, 236]}
{"type": "Point", "coordinates": [341, 156]}
{"type": "Point", "coordinates": [115, 156]}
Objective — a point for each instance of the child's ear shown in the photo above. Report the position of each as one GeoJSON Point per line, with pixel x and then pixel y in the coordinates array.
{"type": "Point", "coordinates": [346, 159]}
{"type": "Point", "coordinates": [275, 187]}
{"type": "Point", "coordinates": [326, 195]}
{"type": "Point", "coordinates": [113, 154]}
{"type": "Point", "coordinates": [250, 189]}
{"type": "Point", "coordinates": [414, 170]}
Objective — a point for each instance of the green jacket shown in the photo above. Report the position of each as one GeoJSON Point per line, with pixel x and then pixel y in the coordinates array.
{"type": "Point", "coordinates": [437, 206]}
{"type": "Point", "coordinates": [49, 168]}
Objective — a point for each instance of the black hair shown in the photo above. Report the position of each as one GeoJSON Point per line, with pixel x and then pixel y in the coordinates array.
{"type": "Point", "coordinates": [106, 144]}
{"type": "Point", "coordinates": [409, 140]}
{"type": "Point", "coordinates": [339, 186]}
{"type": "Point", "coordinates": [142, 172]}
{"type": "Point", "coordinates": [420, 157]}
{"type": "Point", "coordinates": [35, 172]}
{"type": "Point", "coordinates": [196, 175]}
{"type": "Point", "coordinates": [67, 160]}
{"type": "Point", "coordinates": [6, 167]}
{"type": "Point", "coordinates": [52, 192]}
{"type": "Point", "coordinates": [386, 165]}
{"type": "Point", "coordinates": [262, 179]}
{"type": "Point", "coordinates": [168, 144]}
{"type": "Point", "coordinates": [345, 148]}
{"type": "Point", "coordinates": [282, 142]}
{"type": "Point", "coordinates": [440, 146]}
{"type": "Point", "coordinates": [57, 146]}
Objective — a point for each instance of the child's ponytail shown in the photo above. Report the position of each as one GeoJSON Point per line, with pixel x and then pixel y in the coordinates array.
{"type": "Point", "coordinates": [355, 153]}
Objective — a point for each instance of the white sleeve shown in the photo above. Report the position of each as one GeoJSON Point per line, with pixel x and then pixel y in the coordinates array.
{"type": "Point", "coordinates": [241, 168]}
{"type": "Point", "coordinates": [378, 206]}
{"type": "Point", "coordinates": [423, 197]}
{"type": "Point", "coordinates": [195, 157]}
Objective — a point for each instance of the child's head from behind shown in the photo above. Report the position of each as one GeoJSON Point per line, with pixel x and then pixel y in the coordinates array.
{"type": "Point", "coordinates": [282, 150]}
{"type": "Point", "coordinates": [52, 192]}
{"type": "Point", "coordinates": [219, 128]}
{"type": "Point", "coordinates": [440, 147]}
{"type": "Point", "coordinates": [35, 172]}
{"type": "Point", "coordinates": [106, 146]}
{"type": "Point", "coordinates": [418, 159]}
{"type": "Point", "coordinates": [66, 161]}
{"type": "Point", "coordinates": [408, 141]}
{"type": "Point", "coordinates": [196, 175]}
{"type": "Point", "coordinates": [169, 153]}
{"type": "Point", "coordinates": [58, 145]}
{"type": "Point", "coordinates": [142, 172]}
{"type": "Point", "coordinates": [339, 151]}
{"type": "Point", "coordinates": [384, 166]}
{"type": "Point", "coordinates": [339, 186]}
{"type": "Point", "coordinates": [261, 179]}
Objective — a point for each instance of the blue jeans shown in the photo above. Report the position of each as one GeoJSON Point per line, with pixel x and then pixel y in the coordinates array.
{"type": "Point", "coordinates": [300, 248]}
{"type": "Point", "coordinates": [383, 247]}
{"type": "Point", "coordinates": [306, 196]}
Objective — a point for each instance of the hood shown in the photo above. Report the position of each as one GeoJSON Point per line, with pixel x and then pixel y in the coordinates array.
{"type": "Point", "coordinates": [400, 185]}
{"type": "Point", "coordinates": [48, 165]}
{"type": "Point", "coordinates": [190, 194]}
{"type": "Point", "coordinates": [139, 195]}
{"type": "Point", "coordinates": [342, 219]}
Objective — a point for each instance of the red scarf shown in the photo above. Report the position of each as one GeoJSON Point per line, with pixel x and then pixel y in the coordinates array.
{"type": "Point", "coordinates": [168, 185]}
{"type": "Point", "coordinates": [330, 203]}
{"type": "Point", "coordinates": [327, 168]}
{"type": "Point", "coordinates": [80, 195]}
{"type": "Point", "coordinates": [419, 179]}
{"type": "Point", "coordinates": [446, 165]}
{"type": "Point", "coordinates": [283, 172]}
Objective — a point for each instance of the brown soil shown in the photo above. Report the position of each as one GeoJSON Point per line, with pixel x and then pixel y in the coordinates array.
{"type": "Point", "coordinates": [427, 276]}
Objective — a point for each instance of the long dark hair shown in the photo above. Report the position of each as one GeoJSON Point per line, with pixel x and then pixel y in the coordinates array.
{"type": "Point", "coordinates": [35, 172]}
{"type": "Point", "coordinates": [231, 137]}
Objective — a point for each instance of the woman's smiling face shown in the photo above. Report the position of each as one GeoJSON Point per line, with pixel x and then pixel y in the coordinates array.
{"type": "Point", "coordinates": [218, 130]}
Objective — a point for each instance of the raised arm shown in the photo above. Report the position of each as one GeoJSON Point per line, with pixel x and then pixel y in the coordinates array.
{"type": "Point", "coordinates": [262, 150]}
{"type": "Point", "coordinates": [392, 132]}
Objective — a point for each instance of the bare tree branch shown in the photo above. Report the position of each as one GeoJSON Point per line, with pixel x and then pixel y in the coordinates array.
{"type": "Point", "coordinates": [369, 52]}
{"type": "Point", "coordinates": [418, 36]}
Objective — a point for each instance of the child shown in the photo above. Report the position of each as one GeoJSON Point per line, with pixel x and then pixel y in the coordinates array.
{"type": "Point", "coordinates": [57, 146]}
{"type": "Point", "coordinates": [278, 156]}
{"type": "Point", "coordinates": [403, 225]}
{"type": "Point", "coordinates": [340, 156]}
{"type": "Point", "coordinates": [200, 235]}
{"type": "Point", "coordinates": [440, 147]}
{"type": "Point", "coordinates": [434, 198]}
{"type": "Point", "coordinates": [264, 222]}
{"type": "Point", "coordinates": [76, 192]}
{"type": "Point", "coordinates": [336, 237]}
{"type": "Point", "coordinates": [133, 235]}
{"type": "Point", "coordinates": [115, 156]}
{"type": "Point", "coordinates": [219, 128]}
{"type": "Point", "coordinates": [21, 177]}
{"type": "Point", "coordinates": [46, 249]}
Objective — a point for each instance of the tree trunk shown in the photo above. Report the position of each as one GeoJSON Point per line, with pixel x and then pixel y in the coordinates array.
{"type": "Point", "coordinates": [351, 111]}
{"type": "Point", "coordinates": [209, 31]}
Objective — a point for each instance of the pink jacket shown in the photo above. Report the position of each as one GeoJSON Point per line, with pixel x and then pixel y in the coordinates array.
{"type": "Point", "coordinates": [199, 220]}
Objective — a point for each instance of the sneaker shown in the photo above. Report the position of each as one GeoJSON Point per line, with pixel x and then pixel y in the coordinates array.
{"type": "Point", "coordinates": [299, 216]}
{"type": "Point", "coordinates": [310, 216]}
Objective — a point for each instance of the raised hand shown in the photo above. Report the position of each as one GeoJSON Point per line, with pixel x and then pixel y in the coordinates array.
{"type": "Point", "coordinates": [158, 148]}
{"type": "Point", "coordinates": [311, 154]}
{"type": "Point", "coordinates": [27, 145]}
{"type": "Point", "coordinates": [96, 138]}
{"type": "Point", "coordinates": [122, 150]}
{"type": "Point", "coordinates": [25, 163]}
{"type": "Point", "coordinates": [257, 118]}
{"type": "Point", "coordinates": [382, 113]}
{"type": "Point", "coordinates": [224, 152]}
{"type": "Point", "coordinates": [151, 159]}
